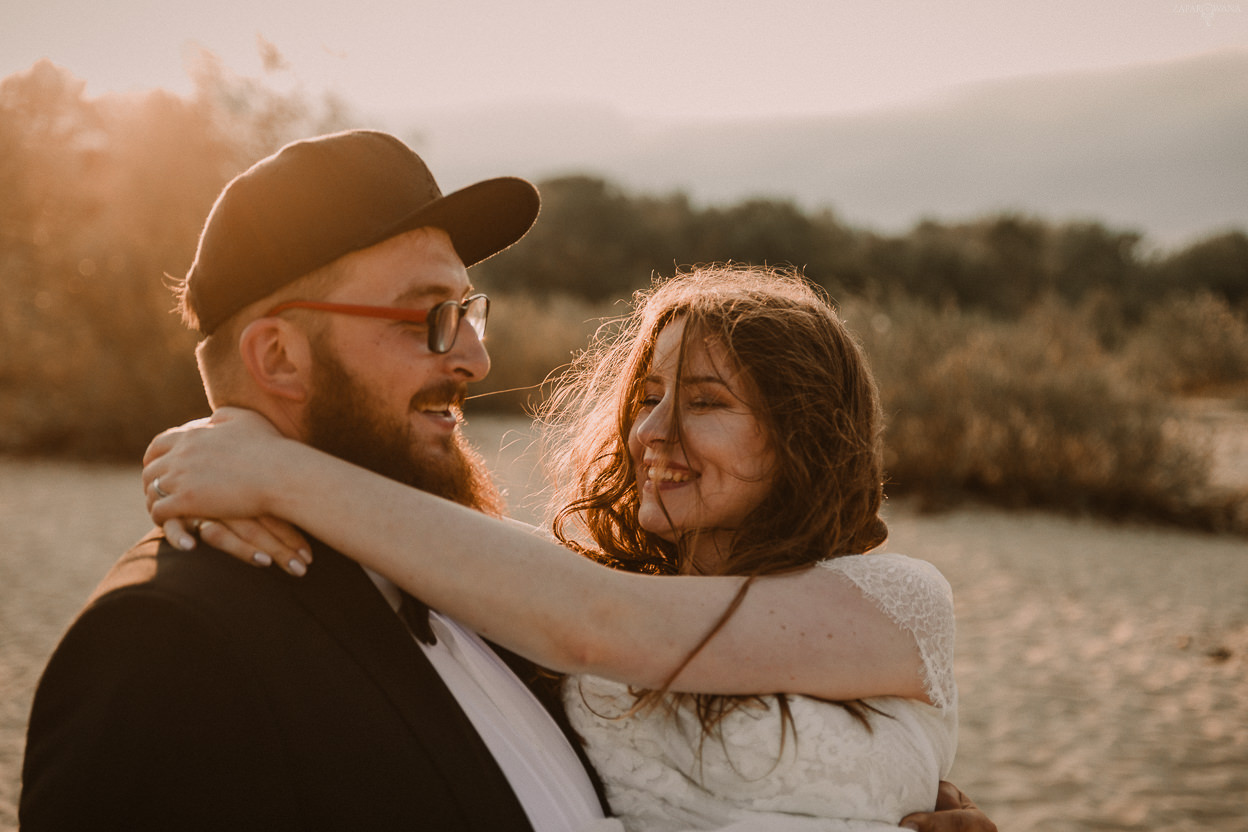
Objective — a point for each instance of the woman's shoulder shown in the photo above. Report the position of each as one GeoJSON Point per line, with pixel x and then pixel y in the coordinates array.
{"type": "Point", "coordinates": [888, 566]}
{"type": "Point", "coordinates": [915, 595]}
{"type": "Point", "coordinates": [908, 589]}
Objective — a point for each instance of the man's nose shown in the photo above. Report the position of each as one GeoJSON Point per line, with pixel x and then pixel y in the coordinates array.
{"type": "Point", "coordinates": [468, 356]}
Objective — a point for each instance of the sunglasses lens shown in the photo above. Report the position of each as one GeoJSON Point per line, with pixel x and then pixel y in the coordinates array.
{"type": "Point", "coordinates": [443, 325]}
{"type": "Point", "coordinates": [477, 313]}
{"type": "Point", "coordinates": [444, 321]}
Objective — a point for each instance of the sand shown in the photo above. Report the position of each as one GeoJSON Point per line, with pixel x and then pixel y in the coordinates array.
{"type": "Point", "coordinates": [1103, 668]}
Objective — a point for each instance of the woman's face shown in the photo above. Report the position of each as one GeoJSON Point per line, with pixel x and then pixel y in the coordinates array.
{"type": "Point", "coordinates": [720, 465]}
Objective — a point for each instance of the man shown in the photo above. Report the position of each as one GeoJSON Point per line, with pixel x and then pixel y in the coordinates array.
{"type": "Point", "coordinates": [194, 692]}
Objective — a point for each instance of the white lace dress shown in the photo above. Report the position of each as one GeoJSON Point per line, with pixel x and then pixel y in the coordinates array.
{"type": "Point", "coordinates": [836, 776]}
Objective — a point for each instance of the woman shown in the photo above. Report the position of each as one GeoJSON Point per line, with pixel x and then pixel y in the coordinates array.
{"type": "Point", "coordinates": [742, 664]}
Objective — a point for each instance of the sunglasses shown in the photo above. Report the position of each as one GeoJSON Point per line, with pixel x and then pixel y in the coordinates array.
{"type": "Point", "coordinates": [443, 319]}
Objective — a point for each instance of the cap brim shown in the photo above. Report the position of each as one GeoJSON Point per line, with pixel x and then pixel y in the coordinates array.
{"type": "Point", "coordinates": [481, 219]}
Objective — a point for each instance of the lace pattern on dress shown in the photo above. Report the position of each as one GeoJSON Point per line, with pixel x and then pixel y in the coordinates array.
{"type": "Point", "coordinates": [835, 777]}
{"type": "Point", "coordinates": [917, 597]}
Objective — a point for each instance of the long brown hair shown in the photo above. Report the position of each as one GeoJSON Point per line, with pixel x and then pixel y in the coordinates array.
{"type": "Point", "coordinates": [815, 397]}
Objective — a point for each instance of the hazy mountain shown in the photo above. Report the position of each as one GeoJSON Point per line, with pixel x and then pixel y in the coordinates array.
{"type": "Point", "coordinates": [1160, 148]}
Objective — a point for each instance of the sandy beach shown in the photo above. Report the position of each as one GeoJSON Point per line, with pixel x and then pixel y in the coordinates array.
{"type": "Point", "coordinates": [1103, 668]}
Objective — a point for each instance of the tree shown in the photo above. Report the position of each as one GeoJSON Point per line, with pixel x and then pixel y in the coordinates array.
{"type": "Point", "coordinates": [1088, 256]}
{"type": "Point", "coordinates": [100, 201]}
{"type": "Point", "coordinates": [1218, 264]}
{"type": "Point", "coordinates": [593, 241]}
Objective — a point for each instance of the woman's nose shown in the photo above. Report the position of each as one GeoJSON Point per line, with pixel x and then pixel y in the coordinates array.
{"type": "Point", "coordinates": [655, 424]}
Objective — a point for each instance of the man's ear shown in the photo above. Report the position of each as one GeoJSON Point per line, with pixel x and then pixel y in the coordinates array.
{"type": "Point", "coordinates": [278, 357]}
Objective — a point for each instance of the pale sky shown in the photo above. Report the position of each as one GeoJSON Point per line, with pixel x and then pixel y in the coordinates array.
{"type": "Point", "coordinates": [669, 59]}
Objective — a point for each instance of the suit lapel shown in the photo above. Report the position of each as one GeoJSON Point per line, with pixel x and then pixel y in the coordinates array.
{"type": "Point", "coordinates": [342, 598]}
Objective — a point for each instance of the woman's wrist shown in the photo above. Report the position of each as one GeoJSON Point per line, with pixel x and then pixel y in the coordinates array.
{"type": "Point", "coordinates": [291, 464]}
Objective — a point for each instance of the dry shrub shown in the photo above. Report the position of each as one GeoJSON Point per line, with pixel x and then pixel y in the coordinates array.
{"type": "Point", "coordinates": [99, 200]}
{"type": "Point", "coordinates": [1186, 345]}
{"type": "Point", "coordinates": [530, 339]}
{"type": "Point", "coordinates": [1027, 413]}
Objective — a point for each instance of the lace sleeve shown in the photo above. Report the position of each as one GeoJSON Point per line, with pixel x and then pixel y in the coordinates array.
{"type": "Point", "coordinates": [914, 594]}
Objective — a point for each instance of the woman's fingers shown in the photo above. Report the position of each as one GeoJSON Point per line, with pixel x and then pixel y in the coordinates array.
{"type": "Point", "coordinates": [219, 535]}
{"type": "Point", "coordinates": [160, 446]}
{"type": "Point", "coordinates": [257, 541]}
{"type": "Point", "coordinates": [178, 535]}
{"type": "Point", "coordinates": [251, 541]}
{"type": "Point", "coordinates": [289, 537]}
{"type": "Point", "coordinates": [157, 448]}
{"type": "Point", "coordinates": [153, 492]}
{"type": "Point", "coordinates": [160, 493]}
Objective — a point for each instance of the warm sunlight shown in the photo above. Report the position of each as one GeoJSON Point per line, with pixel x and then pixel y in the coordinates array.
{"type": "Point", "coordinates": [972, 277]}
{"type": "Point", "coordinates": [652, 58]}
{"type": "Point", "coordinates": [1030, 106]}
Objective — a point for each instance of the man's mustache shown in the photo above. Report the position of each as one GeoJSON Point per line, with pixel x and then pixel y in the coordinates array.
{"type": "Point", "coordinates": [449, 393]}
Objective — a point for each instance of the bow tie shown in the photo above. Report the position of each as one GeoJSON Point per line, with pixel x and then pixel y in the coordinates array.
{"type": "Point", "coordinates": [415, 614]}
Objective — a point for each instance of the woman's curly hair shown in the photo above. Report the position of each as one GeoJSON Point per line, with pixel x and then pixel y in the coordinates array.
{"type": "Point", "coordinates": [814, 395]}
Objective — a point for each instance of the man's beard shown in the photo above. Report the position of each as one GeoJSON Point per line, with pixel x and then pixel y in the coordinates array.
{"type": "Point", "coordinates": [344, 419]}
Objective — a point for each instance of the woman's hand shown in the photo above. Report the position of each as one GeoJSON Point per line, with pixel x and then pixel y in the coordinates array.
{"type": "Point", "coordinates": [216, 467]}
{"type": "Point", "coordinates": [222, 467]}
{"type": "Point", "coordinates": [260, 541]}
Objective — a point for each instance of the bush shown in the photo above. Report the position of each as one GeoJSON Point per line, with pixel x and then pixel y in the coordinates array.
{"type": "Point", "coordinates": [1003, 392]}
{"type": "Point", "coordinates": [1188, 345]}
{"type": "Point", "coordinates": [529, 339]}
{"type": "Point", "coordinates": [1033, 413]}
{"type": "Point", "coordinates": [99, 200]}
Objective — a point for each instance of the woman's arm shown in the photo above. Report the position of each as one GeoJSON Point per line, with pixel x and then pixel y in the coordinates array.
{"type": "Point", "coordinates": [811, 632]}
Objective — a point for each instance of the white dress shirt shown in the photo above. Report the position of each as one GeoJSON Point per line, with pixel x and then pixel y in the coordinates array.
{"type": "Point", "coordinates": [528, 746]}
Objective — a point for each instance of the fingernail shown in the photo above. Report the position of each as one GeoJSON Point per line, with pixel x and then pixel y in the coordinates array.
{"type": "Point", "coordinates": [297, 568]}
{"type": "Point", "coordinates": [261, 559]}
{"type": "Point", "coordinates": [186, 543]}
{"type": "Point", "coordinates": [306, 554]}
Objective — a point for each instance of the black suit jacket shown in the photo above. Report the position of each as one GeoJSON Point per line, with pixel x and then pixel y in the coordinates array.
{"type": "Point", "coordinates": [196, 692]}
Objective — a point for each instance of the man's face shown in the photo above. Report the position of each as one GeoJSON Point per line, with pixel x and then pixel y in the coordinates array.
{"type": "Point", "coordinates": [379, 397]}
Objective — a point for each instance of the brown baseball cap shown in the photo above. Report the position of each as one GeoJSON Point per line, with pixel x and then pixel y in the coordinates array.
{"type": "Point", "coordinates": [319, 199]}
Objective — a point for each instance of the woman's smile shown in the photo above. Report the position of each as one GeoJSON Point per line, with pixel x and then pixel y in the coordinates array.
{"type": "Point", "coordinates": [702, 458]}
{"type": "Point", "coordinates": [662, 475]}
